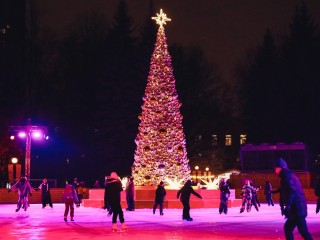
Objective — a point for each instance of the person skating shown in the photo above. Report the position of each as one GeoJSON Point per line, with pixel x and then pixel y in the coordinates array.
{"type": "Point", "coordinates": [69, 197]}
{"type": "Point", "coordinates": [184, 194]}
{"type": "Point", "coordinates": [268, 193]}
{"type": "Point", "coordinates": [113, 190]}
{"type": "Point", "coordinates": [254, 199]}
{"type": "Point", "coordinates": [224, 196]}
{"type": "Point", "coordinates": [246, 196]}
{"type": "Point", "coordinates": [24, 189]}
{"type": "Point", "coordinates": [292, 201]}
{"type": "Point", "coordinates": [45, 193]}
{"type": "Point", "coordinates": [160, 194]}
{"type": "Point", "coordinates": [130, 194]}
{"type": "Point", "coordinates": [106, 203]}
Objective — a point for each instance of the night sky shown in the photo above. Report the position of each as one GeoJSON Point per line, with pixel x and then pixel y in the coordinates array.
{"type": "Point", "coordinates": [226, 29]}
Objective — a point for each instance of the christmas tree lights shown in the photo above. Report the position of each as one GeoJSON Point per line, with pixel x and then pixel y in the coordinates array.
{"type": "Point", "coordinates": [160, 144]}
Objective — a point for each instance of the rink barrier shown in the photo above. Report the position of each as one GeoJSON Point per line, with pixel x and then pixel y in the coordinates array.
{"type": "Point", "coordinates": [144, 198]}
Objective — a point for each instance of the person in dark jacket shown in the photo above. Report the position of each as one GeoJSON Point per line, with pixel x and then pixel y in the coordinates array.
{"type": "Point", "coordinates": [268, 193]}
{"type": "Point", "coordinates": [160, 194]}
{"type": "Point", "coordinates": [45, 193]}
{"type": "Point", "coordinates": [113, 190]}
{"type": "Point", "coordinates": [292, 201]}
{"type": "Point", "coordinates": [130, 194]}
{"type": "Point", "coordinates": [254, 201]}
{"type": "Point", "coordinates": [317, 192]}
{"type": "Point", "coordinates": [184, 194]}
{"type": "Point", "coordinates": [106, 203]}
{"type": "Point", "coordinates": [224, 196]}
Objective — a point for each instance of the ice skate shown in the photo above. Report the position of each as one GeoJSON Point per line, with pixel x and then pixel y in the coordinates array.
{"type": "Point", "coordinates": [124, 226]}
{"type": "Point", "coordinates": [115, 228]}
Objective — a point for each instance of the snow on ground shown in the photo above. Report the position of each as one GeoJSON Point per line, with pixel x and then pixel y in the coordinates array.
{"type": "Point", "coordinates": [92, 223]}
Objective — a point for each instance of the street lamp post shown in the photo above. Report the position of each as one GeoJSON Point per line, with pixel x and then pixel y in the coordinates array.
{"type": "Point", "coordinates": [28, 132]}
{"type": "Point", "coordinates": [197, 169]}
{"type": "Point", "coordinates": [14, 170]}
{"type": "Point", "coordinates": [207, 171]}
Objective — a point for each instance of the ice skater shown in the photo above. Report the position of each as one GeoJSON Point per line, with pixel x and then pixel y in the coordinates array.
{"type": "Point", "coordinates": [45, 193]}
{"type": "Point", "coordinates": [268, 193]}
{"type": "Point", "coordinates": [24, 189]}
{"type": "Point", "coordinates": [106, 203]}
{"type": "Point", "coordinates": [70, 198]}
{"type": "Point", "coordinates": [113, 190]}
{"type": "Point", "coordinates": [254, 200]}
{"type": "Point", "coordinates": [184, 194]}
{"type": "Point", "coordinates": [130, 194]}
{"type": "Point", "coordinates": [246, 196]}
{"type": "Point", "coordinates": [224, 196]}
{"type": "Point", "coordinates": [292, 201]}
{"type": "Point", "coordinates": [160, 194]}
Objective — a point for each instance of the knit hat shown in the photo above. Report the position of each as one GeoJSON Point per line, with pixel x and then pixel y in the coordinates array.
{"type": "Point", "coordinates": [281, 163]}
{"type": "Point", "coordinates": [114, 175]}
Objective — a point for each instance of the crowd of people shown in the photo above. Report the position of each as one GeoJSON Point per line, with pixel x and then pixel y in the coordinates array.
{"type": "Point", "coordinates": [292, 202]}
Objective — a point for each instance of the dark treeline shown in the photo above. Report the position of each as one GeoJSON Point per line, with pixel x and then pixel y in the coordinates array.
{"type": "Point", "coordinates": [87, 88]}
{"type": "Point", "coordinates": [280, 84]}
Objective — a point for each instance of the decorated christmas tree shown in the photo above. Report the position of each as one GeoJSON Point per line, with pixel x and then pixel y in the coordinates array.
{"type": "Point", "coordinates": [161, 146]}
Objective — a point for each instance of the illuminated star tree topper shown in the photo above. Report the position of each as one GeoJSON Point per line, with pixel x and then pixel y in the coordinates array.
{"type": "Point", "coordinates": [161, 18]}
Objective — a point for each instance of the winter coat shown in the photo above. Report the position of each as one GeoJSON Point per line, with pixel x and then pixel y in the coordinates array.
{"type": "Point", "coordinates": [186, 191]}
{"type": "Point", "coordinates": [291, 194]}
{"type": "Point", "coordinates": [130, 189]}
{"type": "Point", "coordinates": [70, 192]}
{"type": "Point", "coordinates": [267, 189]}
{"type": "Point", "coordinates": [113, 190]}
{"type": "Point", "coordinates": [224, 191]}
{"type": "Point", "coordinates": [160, 194]}
{"type": "Point", "coordinates": [44, 187]}
{"type": "Point", "coordinates": [24, 188]}
{"type": "Point", "coordinates": [247, 191]}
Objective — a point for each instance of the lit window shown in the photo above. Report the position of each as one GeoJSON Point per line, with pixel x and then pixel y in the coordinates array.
{"type": "Point", "coordinates": [228, 140]}
{"type": "Point", "coordinates": [214, 140]}
{"type": "Point", "coordinates": [243, 139]}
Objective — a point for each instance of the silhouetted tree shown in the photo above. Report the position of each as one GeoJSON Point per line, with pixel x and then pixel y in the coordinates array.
{"type": "Point", "coordinates": [116, 119]}
{"type": "Point", "coordinates": [261, 86]}
{"type": "Point", "coordinates": [281, 85]}
{"type": "Point", "coordinates": [301, 61]}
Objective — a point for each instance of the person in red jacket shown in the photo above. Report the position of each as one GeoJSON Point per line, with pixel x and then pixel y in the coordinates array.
{"type": "Point", "coordinates": [184, 194]}
{"type": "Point", "coordinates": [69, 197]}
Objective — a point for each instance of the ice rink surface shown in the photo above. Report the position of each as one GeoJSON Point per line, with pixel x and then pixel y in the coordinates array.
{"type": "Point", "coordinates": [92, 223]}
